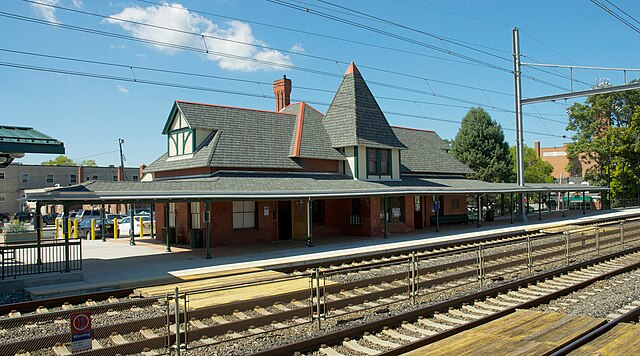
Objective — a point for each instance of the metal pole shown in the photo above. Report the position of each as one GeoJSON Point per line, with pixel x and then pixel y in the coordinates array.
{"type": "Point", "coordinates": [529, 255]}
{"type": "Point", "coordinates": [152, 213]}
{"type": "Point", "coordinates": [501, 204]}
{"type": "Point", "coordinates": [385, 216]}
{"type": "Point", "coordinates": [511, 203]}
{"type": "Point", "coordinates": [309, 223]}
{"type": "Point", "coordinates": [567, 238]}
{"type": "Point", "coordinates": [38, 227]}
{"type": "Point", "coordinates": [518, 113]}
{"type": "Point", "coordinates": [66, 232]}
{"type": "Point", "coordinates": [104, 239]}
{"type": "Point", "coordinates": [479, 220]}
{"type": "Point", "coordinates": [539, 206]}
{"type": "Point", "coordinates": [177, 302]}
{"type": "Point", "coordinates": [132, 231]}
{"type": "Point", "coordinates": [207, 236]}
{"type": "Point", "coordinates": [437, 205]}
{"type": "Point", "coordinates": [584, 204]}
{"type": "Point", "coordinates": [597, 239]}
{"type": "Point", "coordinates": [166, 226]}
{"type": "Point", "coordinates": [318, 297]}
{"type": "Point", "coordinates": [549, 201]}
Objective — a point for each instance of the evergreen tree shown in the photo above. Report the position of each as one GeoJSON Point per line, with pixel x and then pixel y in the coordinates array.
{"type": "Point", "coordinates": [480, 144]}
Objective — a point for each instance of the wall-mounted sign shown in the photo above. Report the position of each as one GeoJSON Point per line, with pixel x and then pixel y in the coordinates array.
{"type": "Point", "coordinates": [266, 211]}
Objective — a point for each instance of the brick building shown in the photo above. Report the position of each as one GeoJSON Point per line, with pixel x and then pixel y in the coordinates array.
{"type": "Point", "coordinates": [557, 157]}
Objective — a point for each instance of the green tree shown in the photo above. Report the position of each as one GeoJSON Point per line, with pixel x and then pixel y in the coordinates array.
{"type": "Point", "coordinates": [61, 160]}
{"type": "Point", "coordinates": [88, 163]}
{"type": "Point", "coordinates": [535, 169]}
{"type": "Point", "coordinates": [480, 144]}
{"type": "Point", "coordinates": [607, 134]}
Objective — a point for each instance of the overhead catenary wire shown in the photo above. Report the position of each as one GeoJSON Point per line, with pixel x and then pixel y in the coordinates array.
{"type": "Point", "coordinates": [616, 15]}
{"type": "Point", "coordinates": [208, 76]}
{"type": "Point", "coordinates": [217, 90]}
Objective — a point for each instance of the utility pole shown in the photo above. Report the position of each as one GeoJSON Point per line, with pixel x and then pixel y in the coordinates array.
{"type": "Point", "coordinates": [122, 158]}
{"type": "Point", "coordinates": [519, 137]}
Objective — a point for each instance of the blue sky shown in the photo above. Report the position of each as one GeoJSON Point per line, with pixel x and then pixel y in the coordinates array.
{"type": "Point", "coordinates": [415, 79]}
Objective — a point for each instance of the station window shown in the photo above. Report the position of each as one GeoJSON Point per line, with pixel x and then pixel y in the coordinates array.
{"type": "Point", "coordinates": [114, 178]}
{"type": "Point", "coordinates": [24, 177]}
{"type": "Point", "coordinates": [356, 208]}
{"type": "Point", "coordinates": [49, 177]}
{"type": "Point", "coordinates": [395, 209]}
{"type": "Point", "coordinates": [135, 178]}
{"type": "Point", "coordinates": [244, 214]}
{"type": "Point", "coordinates": [73, 178]}
{"type": "Point", "coordinates": [455, 203]}
{"type": "Point", "coordinates": [95, 178]}
{"type": "Point", "coordinates": [3, 198]}
{"type": "Point", "coordinates": [378, 162]}
{"type": "Point", "coordinates": [1, 175]}
{"type": "Point", "coordinates": [195, 215]}
{"type": "Point", "coordinates": [317, 212]}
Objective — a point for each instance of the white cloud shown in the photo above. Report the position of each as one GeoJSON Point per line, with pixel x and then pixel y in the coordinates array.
{"type": "Point", "coordinates": [177, 17]}
{"type": "Point", "coordinates": [120, 46]}
{"type": "Point", "coordinates": [297, 48]}
{"type": "Point", "coordinates": [141, 55]}
{"type": "Point", "coordinates": [122, 89]}
{"type": "Point", "coordinates": [46, 12]}
{"type": "Point", "coordinates": [77, 3]}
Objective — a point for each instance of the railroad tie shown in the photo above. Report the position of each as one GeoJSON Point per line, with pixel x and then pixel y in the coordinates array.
{"type": "Point", "coordinates": [14, 314]}
{"type": "Point", "coordinates": [328, 351]}
{"type": "Point", "coordinates": [543, 289]}
{"type": "Point", "coordinates": [148, 333]}
{"type": "Point", "coordinates": [421, 331]}
{"type": "Point", "coordinates": [513, 299]}
{"type": "Point", "coordinates": [90, 303]}
{"type": "Point", "coordinates": [240, 315]}
{"type": "Point", "coordinates": [299, 304]}
{"type": "Point", "coordinates": [207, 340]}
{"type": "Point", "coordinates": [378, 341]}
{"type": "Point", "coordinates": [253, 330]}
{"type": "Point", "coordinates": [432, 324]}
{"type": "Point", "coordinates": [262, 311]}
{"type": "Point", "coordinates": [60, 350]}
{"type": "Point", "coordinates": [112, 299]}
{"type": "Point", "coordinates": [472, 309]}
{"type": "Point", "coordinates": [147, 352]}
{"type": "Point", "coordinates": [95, 344]}
{"type": "Point", "coordinates": [301, 320]}
{"type": "Point", "coordinates": [332, 297]}
{"type": "Point", "coordinates": [198, 324]}
{"type": "Point", "coordinates": [484, 305]}
{"type": "Point", "coordinates": [22, 353]}
{"type": "Point", "coordinates": [460, 313]}
{"type": "Point", "coordinates": [396, 335]}
{"type": "Point", "coordinates": [347, 293]}
{"type": "Point", "coordinates": [117, 339]}
{"type": "Point", "coordinates": [353, 345]}
{"type": "Point", "coordinates": [448, 319]}
{"type": "Point", "coordinates": [112, 312]}
{"type": "Point", "coordinates": [218, 319]}
{"type": "Point", "coordinates": [354, 308]}
{"type": "Point", "coordinates": [278, 325]}
{"type": "Point", "coordinates": [41, 310]}
{"type": "Point", "coordinates": [502, 302]}
{"type": "Point", "coordinates": [371, 304]}
{"type": "Point", "coordinates": [280, 307]}
{"type": "Point", "coordinates": [67, 306]}
{"type": "Point", "coordinates": [234, 335]}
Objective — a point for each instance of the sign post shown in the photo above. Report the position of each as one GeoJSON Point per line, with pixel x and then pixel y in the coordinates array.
{"type": "Point", "coordinates": [81, 332]}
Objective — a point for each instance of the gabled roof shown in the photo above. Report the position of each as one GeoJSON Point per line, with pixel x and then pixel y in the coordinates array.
{"type": "Point", "coordinates": [427, 153]}
{"type": "Point", "coordinates": [354, 117]}
{"type": "Point", "coordinates": [310, 139]}
{"type": "Point", "coordinates": [15, 139]}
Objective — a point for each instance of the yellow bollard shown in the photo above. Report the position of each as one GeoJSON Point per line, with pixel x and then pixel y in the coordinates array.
{"type": "Point", "coordinates": [75, 228]}
{"type": "Point", "coordinates": [57, 228]}
{"type": "Point", "coordinates": [115, 228]}
{"type": "Point", "coordinates": [93, 229]}
{"type": "Point", "coordinates": [69, 227]}
{"type": "Point", "coordinates": [141, 228]}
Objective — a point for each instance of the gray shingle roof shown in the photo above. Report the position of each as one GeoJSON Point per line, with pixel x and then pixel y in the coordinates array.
{"type": "Point", "coordinates": [265, 185]}
{"type": "Point", "coordinates": [315, 141]}
{"type": "Point", "coordinates": [354, 117]}
{"type": "Point", "coordinates": [427, 153]}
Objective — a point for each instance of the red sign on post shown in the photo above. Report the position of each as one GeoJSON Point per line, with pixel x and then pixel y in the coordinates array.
{"type": "Point", "coordinates": [81, 332]}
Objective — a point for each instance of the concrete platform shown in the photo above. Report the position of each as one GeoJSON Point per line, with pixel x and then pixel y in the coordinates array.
{"type": "Point", "coordinates": [114, 264]}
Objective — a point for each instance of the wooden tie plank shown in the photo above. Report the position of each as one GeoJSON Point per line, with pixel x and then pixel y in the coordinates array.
{"type": "Point", "coordinates": [462, 314]}
{"type": "Point", "coordinates": [95, 344]}
{"type": "Point", "coordinates": [484, 305]}
{"type": "Point", "coordinates": [433, 324]}
{"type": "Point", "coordinates": [219, 319]}
{"type": "Point", "coordinates": [197, 324]}
{"type": "Point", "coordinates": [148, 333]}
{"type": "Point", "coordinates": [378, 341]}
{"type": "Point", "coordinates": [118, 339]}
{"type": "Point", "coordinates": [61, 350]}
{"type": "Point", "coordinates": [473, 309]}
{"type": "Point", "coordinates": [328, 351]}
{"type": "Point", "coordinates": [353, 345]}
{"type": "Point", "coordinates": [448, 319]}
{"type": "Point", "coordinates": [502, 303]}
{"type": "Point", "coordinates": [396, 335]}
{"type": "Point", "coordinates": [421, 331]}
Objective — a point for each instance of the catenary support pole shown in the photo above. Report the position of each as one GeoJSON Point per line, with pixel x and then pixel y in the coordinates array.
{"type": "Point", "coordinates": [132, 229]}
{"type": "Point", "coordinates": [479, 220]}
{"type": "Point", "coordinates": [539, 206]}
{"type": "Point", "coordinates": [152, 213]}
{"type": "Point", "coordinates": [38, 226]}
{"type": "Point", "coordinates": [511, 204]}
{"type": "Point", "coordinates": [309, 223]}
{"type": "Point", "coordinates": [385, 217]}
{"type": "Point", "coordinates": [207, 232]}
{"type": "Point", "coordinates": [584, 204]}
{"type": "Point", "coordinates": [518, 114]}
{"type": "Point", "coordinates": [65, 232]}
{"type": "Point", "coordinates": [166, 226]}
{"type": "Point", "coordinates": [436, 205]}
{"type": "Point", "coordinates": [104, 239]}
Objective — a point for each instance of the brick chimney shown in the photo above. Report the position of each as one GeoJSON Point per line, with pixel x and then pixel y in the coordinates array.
{"type": "Point", "coordinates": [80, 174]}
{"type": "Point", "coordinates": [282, 91]}
{"type": "Point", "coordinates": [536, 146]}
{"type": "Point", "coordinates": [142, 167]}
{"type": "Point", "coordinates": [120, 174]}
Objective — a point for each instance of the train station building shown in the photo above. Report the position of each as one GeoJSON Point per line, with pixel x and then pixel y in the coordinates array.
{"type": "Point", "coordinates": [240, 175]}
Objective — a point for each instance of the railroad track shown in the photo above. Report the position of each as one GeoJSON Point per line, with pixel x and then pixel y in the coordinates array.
{"type": "Point", "coordinates": [239, 320]}
{"type": "Point", "coordinates": [412, 330]}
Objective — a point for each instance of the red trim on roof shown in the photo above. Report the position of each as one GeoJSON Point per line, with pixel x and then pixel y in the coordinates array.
{"type": "Point", "coordinates": [296, 149]}
{"type": "Point", "coordinates": [411, 128]}
{"type": "Point", "coordinates": [352, 69]}
{"type": "Point", "coordinates": [232, 107]}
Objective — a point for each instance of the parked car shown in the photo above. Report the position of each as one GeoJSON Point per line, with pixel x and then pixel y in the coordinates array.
{"type": "Point", "coordinates": [114, 216]}
{"type": "Point", "coordinates": [87, 214]}
{"type": "Point", "coordinates": [49, 219]}
{"type": "Point", "coordinates": [84, 228]}
{"type": "Point", "coordinates": [24, 216]}
{"type": "Point", "coordinates": [125, 223]}
{"type": "Point", "coordinates": [4, 217]}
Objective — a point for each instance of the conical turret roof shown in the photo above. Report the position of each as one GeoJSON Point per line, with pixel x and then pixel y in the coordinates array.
{"type": "Point", "coordinates": [354, 117]}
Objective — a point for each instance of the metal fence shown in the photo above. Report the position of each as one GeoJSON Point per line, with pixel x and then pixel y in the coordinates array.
{"type": "Point", "coordinates": [45, 257]}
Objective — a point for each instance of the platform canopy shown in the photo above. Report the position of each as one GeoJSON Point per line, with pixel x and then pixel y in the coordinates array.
{"type": "Point", "coordinates": [236, 185]}
{"type": "Point", "coordinates": [15, 141]}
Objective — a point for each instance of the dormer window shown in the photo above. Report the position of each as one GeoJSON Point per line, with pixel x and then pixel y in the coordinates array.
{"type": "Point", "coordinates": [181, 142]}
{"type": "Point", "coordinates": [378, 162]}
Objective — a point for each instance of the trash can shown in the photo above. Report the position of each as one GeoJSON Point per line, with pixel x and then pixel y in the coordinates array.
{"type": "Point", "coordinates": [489, 215]}
{"type": "Point", "coordinates": [196, 238]}
{"type": "Point", "coordinates": [172, 235]}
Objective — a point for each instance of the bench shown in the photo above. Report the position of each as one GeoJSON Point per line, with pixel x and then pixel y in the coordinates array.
{"type": "Point", "coordinates": [450, 219]}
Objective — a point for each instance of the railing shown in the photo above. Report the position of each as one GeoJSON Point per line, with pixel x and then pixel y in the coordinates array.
{"type": "Point", "coordinates": [21, 259]}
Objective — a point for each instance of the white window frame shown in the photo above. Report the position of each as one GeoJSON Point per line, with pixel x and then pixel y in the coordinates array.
{"type": "Point", "coordinates": [195, 215]}
{"type": "Point", "coordinates": [49, 177]}
{"type": "Point", "coordinates": [1, 175]}
{"type": "Point", "coordinates": [73, 178]}
{"type": "Point", "coordinates": [24, 177]}
{"type": "Point", "coordinates": [244, 214]}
